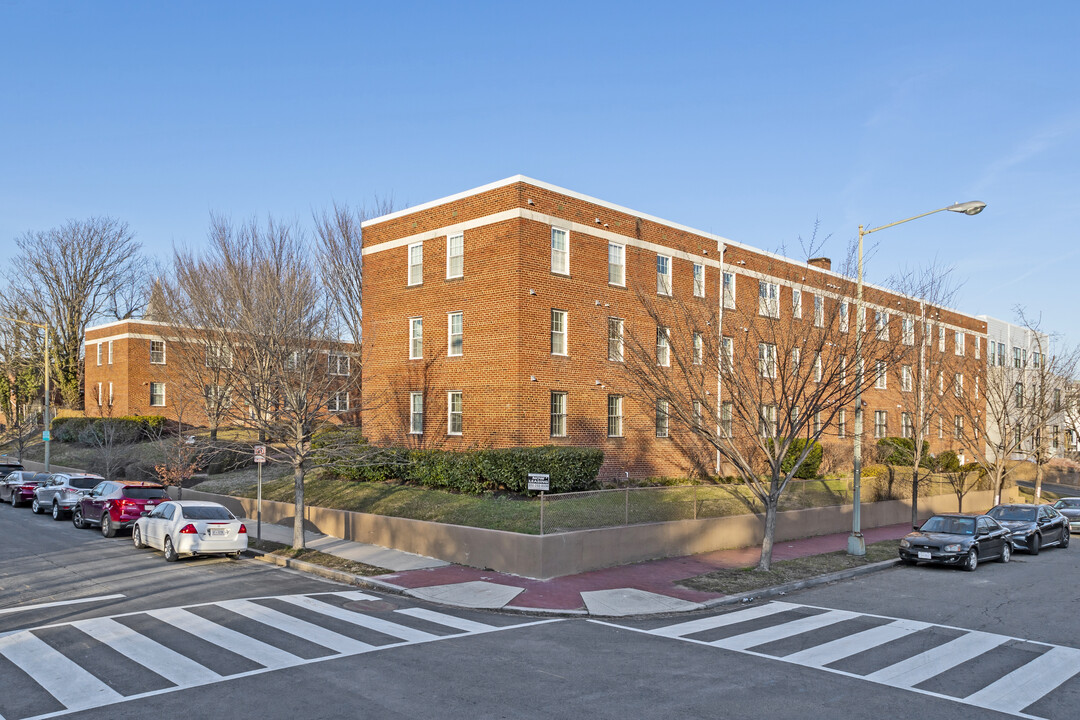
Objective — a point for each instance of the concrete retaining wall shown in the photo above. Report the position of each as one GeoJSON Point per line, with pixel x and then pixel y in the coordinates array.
{"type": "Point", "coordinates": [549, 556]}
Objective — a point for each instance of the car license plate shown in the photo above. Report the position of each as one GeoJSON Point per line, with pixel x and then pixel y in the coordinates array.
{"type": "Point", "coordinates": [923, 555]}
{"type": "Point", "coordinates": [149, 504]}
{"type": "Point", "coordinates": [216, 532]}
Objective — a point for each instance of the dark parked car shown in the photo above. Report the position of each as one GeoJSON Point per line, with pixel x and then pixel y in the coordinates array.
{"type": "Point", "coordinates": [6, 468]}
{"type": "Point", "coordinates": [115, 505]}
{"type": "Point", "coordinates": [957, 539]}
{"type": "Point", "coordinates": [1070, 508]}
{"type": "Point", "coordinates": [18, 487]}
{"type": "Point", "coordinates": [1033, 527]}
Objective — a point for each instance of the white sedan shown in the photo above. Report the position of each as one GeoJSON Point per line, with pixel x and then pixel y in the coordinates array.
{"type": "Point", "coordinates": [190, 527]}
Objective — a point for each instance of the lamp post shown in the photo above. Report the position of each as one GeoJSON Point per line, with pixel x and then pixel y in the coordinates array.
{"type": "Point", "coordinates": [856, 543]}
{"type": "Point", "coordinates": [46, 435]}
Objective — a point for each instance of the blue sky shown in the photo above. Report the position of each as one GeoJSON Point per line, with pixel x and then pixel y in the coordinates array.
{"type": "Point", "coordinates": [751, 120]}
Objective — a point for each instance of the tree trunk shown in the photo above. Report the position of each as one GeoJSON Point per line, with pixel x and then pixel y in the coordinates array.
{"type": "Point", "coordinates": [298, 519]}
{"type": "Point", "coordinates": [213, 433]}
{"type": "Point", "coordinates": [765, 561]}
{"type": "Point", "coordinates": [915, 496]}
{"type": "Point", "coordinates": [1038, 482]}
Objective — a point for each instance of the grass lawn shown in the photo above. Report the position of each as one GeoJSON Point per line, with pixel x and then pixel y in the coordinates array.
{"type": "Point", "coordinates": [318, 558]}
{"type": "Point", "coordinates": [739, 580]}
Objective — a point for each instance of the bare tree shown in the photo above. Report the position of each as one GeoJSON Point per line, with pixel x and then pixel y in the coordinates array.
{"type": "Point", "coordinates": [962, 481]}
{"type": "Point", "coordinates": [110, 438]}
{"type": "Point", "coordinates": [930, 287]}
{"type": "Point", "coordinates": [70, 276]}
{"type": "Point", "coordinates": [760, 389]}
{"type": "Point", "coordinates": [264, 311]}
{"type": "Point", "coordinates": [22, 368]}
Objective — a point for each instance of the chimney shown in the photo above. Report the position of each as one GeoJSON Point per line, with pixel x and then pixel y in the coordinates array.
{"type": "Point", "coordinates": [822, 262]}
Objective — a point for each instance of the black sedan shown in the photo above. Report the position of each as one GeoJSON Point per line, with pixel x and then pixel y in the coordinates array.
{"type": "Point", "coordinates": [957, 539]}
{"type": "Point", "coordinates": [1033, 527]}
{"type": "Point", "coordinates": [1070, 508]}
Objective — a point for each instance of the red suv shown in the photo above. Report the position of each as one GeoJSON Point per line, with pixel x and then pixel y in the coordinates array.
{"type": "Point", "coordinates": [116, 504]}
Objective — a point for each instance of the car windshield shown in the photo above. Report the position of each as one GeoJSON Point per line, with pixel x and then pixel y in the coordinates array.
{"type": "Point", "coordinates": [84, 483]}
{"type": "Point", "coordinates": [144, 493]}
{"type": "Point", "coordinates": [1071, 503]}
{"type": "Point", "coordinates": [1013, 514]}
{"type": "Point", "coordinates": [950, 525]}
{"type": "Point", "coordinates": [206, 512]}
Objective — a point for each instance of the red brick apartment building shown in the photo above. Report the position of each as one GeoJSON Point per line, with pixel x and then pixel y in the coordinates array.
{"type": "Point", "coordinates": [487, 315]}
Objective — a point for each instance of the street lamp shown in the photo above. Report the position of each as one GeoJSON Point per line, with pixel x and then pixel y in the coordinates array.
{"type": "Point", "coordinates": [46, 435]}
{"type": "Point", "coordinates": [856, 543]}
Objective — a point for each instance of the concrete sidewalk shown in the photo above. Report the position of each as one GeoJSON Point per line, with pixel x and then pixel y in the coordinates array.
{"type": "Point", "coordinates": [644, 588]}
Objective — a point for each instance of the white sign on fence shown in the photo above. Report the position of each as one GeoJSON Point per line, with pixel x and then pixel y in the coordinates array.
{"type": "Point", "coordinates": [540, 481]}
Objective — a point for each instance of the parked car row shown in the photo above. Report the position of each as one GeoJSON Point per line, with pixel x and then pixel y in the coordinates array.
{"type": "Point", "coordinates": [175, 527]}
{"type": "Point", "coordinates": [965, 540]}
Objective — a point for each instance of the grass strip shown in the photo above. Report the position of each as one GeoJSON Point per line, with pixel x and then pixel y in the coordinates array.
{"type": "Point", "coordinates": [318, 558]}
{"type": "Point", "coordinates": [732, 581]}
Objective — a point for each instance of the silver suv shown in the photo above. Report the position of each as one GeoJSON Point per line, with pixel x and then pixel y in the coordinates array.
{"type": "Point", "coordinates": [62, 491]}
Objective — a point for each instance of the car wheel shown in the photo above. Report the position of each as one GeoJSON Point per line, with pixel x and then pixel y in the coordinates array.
{"type": "Point", "coordinates": [35, 507]}
{"type": "Point", "coordinates": [1035, 544]}
{"type": "Point", "coordinates": [1006, 553]}
{"type": "Point", "coordinates": [972, 560]}
{"type": "Point", "coordinates": [77, 518]}
{"type": "Point", "coordinates": [1065, 537]}
{"type": "Point", "coordinates": [136, 537]}
{"type": "Point", "coordinates": [170, 552]}
{"type": "Point", "coordinates": [14, 500]}
{"type": "Point", "coordinates": [56, 514]}
{"type": "Point", "coordinates": [108, 529]}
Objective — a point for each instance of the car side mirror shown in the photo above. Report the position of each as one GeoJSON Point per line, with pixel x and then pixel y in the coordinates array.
{"type": "Point", "coordinates": [144, 513]}
{"type": "Point", "coordinates": [914, 527]}
{"type": "Point", "coordinates": [983, 532]}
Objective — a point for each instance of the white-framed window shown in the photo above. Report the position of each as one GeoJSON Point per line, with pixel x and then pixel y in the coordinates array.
{"type": "Point", "coordinates": [794, 413]}
{"type": "Point", "coordinates": [977, 389]}
{"type": "Point", "coordinates": [978, 348]}
{"type": "Point", "coordinates": [699, 280]}
{"type": "Point", "coordinates": [99, 354]}
{"type": "Point", "coordinates": [696, 416]}
{"type": "Point", "coordinates": [767, 421]}
{"type": "Point", "coordinates": [292, 361]}
{"type": "Point", "coordinates": [662, 418]}
{"type": "Point", "coordinates": [905, 378]}
{"type": "Point", "coordinates": [560, 251]}
{"type": "Point", "coordinates": [817, 368]}
{"type": "Point", "coordinates": [726, 411]}
{"type": "Point", "coordinates": [881, 324]}
{"type": "Point", "coordinates": [940, 427]}
{"type": "Point", "coordinates": [907, 326]}
{"type": "Point", "coordinates": [958, 427]}
{"type": "Point", "coordinates": [157, 352]}
{"type": "Point", "coordinates": [881, 376]}
{"type": "Point", "coordinates": [843, 371]}
{"type": "Point", "coordinates": [817, 423]}
{"type": "Point", "coordinates": [768, 299]}
{"type": "Point", "coordinates": [416, 263]}
{"type": "Point", "coordinates": [217, 395]}
{"type": "Point", "coordinates": [843, 313]}
{"type": "Point", "coordinates": [1017, 355]}
{"type": "Point", "coordinates": [453, 412]}
{"type": "Point", "coordinates": [958, 385]}
{"type": "Point", "coordinates": [767, 360]}
{"type": "Point", "coordinates": [881, 424]}
{"type": "Point", "coordinates": [663, 347]}
{"type": "Point", "coordinates": [699, 348]}
{"type": "Point", "coordinates": [819, 311]}
{"type": "Point", "coordinates": [941, 338]}
{"type": "Point", "coordinates": [729, 290]}
{"type": "Point", "coordinates": [558, 332]}
{"type": "Point", "coordinates": [614, 415]}
{"type": "Point", "coordinates": [796, 359]}
{"type": "Point", "coordinates": [841, 423]}
{"type": "Point", "coordinates": [941, 382]}
{"type": "Point", "coordinates": [991, 354]}
{"type": "Point", "coordinates": [959, 342]}
{"type": "Point", "coordinates": [615, 339]}
{"type": "Point", "coordinates": [727, 353]}
{"type": "Point", "coordinates": [455, 256]}
{"type": "Point", "coordinates": [616, 264]}
{"type": "Point", "coordinates": [796, 303]}
{"type": "Point", "coordinates": [416, 338]}
{"type": "Point", "coordinates": [455, 334]}
{"type": "Point", "coordinates": [99, 396]}
{"type": "Point", "coordinates": [907, 425]}
{"type": "Point", "coordinates": [416, 413]}
{"type": "Point", "coordinates": [558, 414]}
{"type": "Point", "coordinates": [157, 394]}
{"type": "Point", "coordinates": [663, 275]}
{"type": "Point", "coordinates": [110, 352]}
{"type": "Point", "coordinates": [338, 402]}
{"type": "Point", "coordinates": [217, 356]}
{"type": "Point", "coordinates": [110, 394]}
{"type": "Point", "coordinates": [337, 364]}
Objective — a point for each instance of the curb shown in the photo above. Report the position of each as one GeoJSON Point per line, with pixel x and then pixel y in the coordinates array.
{"type": "Point", "coordinates": [383, 586]}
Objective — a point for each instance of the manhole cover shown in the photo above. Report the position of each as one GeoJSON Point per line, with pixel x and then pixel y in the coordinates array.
{"type": "Point", "coordinates": [371, 606]}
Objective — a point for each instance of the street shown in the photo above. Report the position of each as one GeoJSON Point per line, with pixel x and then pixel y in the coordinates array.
{"type": "Point", "coordinates": [92, 628]}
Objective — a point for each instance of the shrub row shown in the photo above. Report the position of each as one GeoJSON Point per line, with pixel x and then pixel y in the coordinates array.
{"type": "Point", "coordinates": [809, 468]}
{"type": "Point", "coordinates": [477, 471]}
{"type": "Point", "coordinates": [129, 428]}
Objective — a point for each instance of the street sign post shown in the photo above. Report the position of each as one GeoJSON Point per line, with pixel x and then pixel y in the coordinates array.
{"type": "Point", "coordinates": [46, 436]}
{"type": "Point", "coordinates": [541, 482]}
{"type": "Point", "coordinates": [260, 458]}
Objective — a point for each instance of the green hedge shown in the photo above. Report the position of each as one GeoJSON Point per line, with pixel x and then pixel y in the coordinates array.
{"type": "Point", "coordinates": [132, 427]}
{"type": "Point", "coordinates": [477, 471]}
{"type": "Point", "coordinates": [948, 461]}
{"type": "Point", "coordinates": [809, 468]}
{"type": "Point", "coordinates": [901, 451]}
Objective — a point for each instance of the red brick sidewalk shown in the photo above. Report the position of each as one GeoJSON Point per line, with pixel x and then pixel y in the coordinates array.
{"type": "Point", "coordinates": [656, 576]}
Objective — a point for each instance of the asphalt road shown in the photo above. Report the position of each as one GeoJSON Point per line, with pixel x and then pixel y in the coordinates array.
{"type": "Point", "coordinates": [239, 639]}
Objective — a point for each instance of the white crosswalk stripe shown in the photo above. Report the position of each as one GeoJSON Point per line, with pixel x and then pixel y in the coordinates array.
{"type": "Point", "coordinates": [62, 679]}
{"type": "Point", "coordinates": [1012, 693]}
